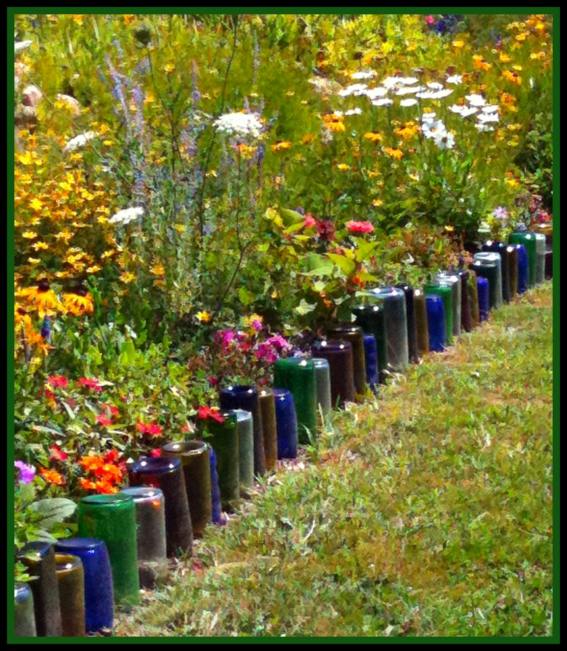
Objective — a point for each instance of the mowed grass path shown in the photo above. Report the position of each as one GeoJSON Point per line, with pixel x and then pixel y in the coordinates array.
{"type": "Point", "coordinates": [425, 512]}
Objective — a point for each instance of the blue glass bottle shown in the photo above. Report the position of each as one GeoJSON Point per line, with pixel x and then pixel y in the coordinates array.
{"type": "Point", "coordinates": [286, 420]}
{"type": "Point", "coordinates": [371, 357]}
{"type": "Point", "coordinates": [435, 322]}
{"type": "Point", "coordinates": [523, 268]}
{"type": "Point", "coordinates": [217, 516]}
{"type": "Point", "coordinates": [483, 297]}
{"type": "Point", "coordinates": [99, 610]}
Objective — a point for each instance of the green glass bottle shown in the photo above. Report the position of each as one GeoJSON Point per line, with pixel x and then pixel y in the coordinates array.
{"type": "Point", "coordinates": [298, 375]}
{"type": "Point", "coordinates": [112, 518]}
{"type": "Point", "coordinates": [223, 438]}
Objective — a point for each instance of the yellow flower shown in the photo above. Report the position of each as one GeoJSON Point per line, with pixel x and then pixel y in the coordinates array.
{"type": "Point", "coordinates": [505, 58]}
{"type": "Point", "coordinates": [34, 261]}
{"type": "Point", "coordinates": [149, 98]}
{"type": "Point", "coordinates": [168, 67]}
{"type": "Point", "coordinates": [35, 204]}
{"type": "Point", "coordinates": [246, 151]}
{"type": "Point", "coordinates": [373, 136]}
{"type": "Point", "coordinates": [394, 153]}
{"type": "Point", "coordinates": [157, 269]}
{"type": "Point", "coordinates": [107, 254]}
{"type": "Point", "coordinates": [283, 145]}
{"type": "Point", "coordinates": [40, 246]}
{"type": "Point", "coordinates": [480, 62]}
{"type": "Point", "coordinates": [512, 77]}
{"type": "Point", "coordinates": [180, 228]}
{"type": "Point", "coordinates": [29, 235]}
{"type": "Point", "coordinates": [127, 277]}
{"type": "Point", "coordinates": [93, 269]}
{"type": "Point", "coordinates": [377, 203]}
{"type": "Point", "coordinates": [40, 298]}
{"type": "Point", "coordinates": [203, 317]}
{"type": "Point", "coordinates": [334, 122]}
{"type": "Point", "coordinates": [308, 138]}
{"type": "Point", "coordinates": [458, 44]}
{"type": "Point", "coordinates": [407, 131]}
{"type": "Point", "coordinates": [78, 304]}
{"type": "Point", "coordinates": [343, 167]}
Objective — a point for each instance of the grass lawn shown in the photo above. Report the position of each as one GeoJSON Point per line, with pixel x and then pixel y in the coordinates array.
{"type": "Point", "coordinates": [424, 512]}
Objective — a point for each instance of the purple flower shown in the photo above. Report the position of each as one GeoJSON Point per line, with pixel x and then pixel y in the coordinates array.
{"type": "Point", "coordinates": [26, 473]}
{"type": "Point", "coordinates": [500, 213]}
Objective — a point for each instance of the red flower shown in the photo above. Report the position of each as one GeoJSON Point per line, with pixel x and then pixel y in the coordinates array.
{"type": "Point", "coordinates": [359, 227]}
{"type": "Point", "coordinates": [90, 383]}
{"type": "Point", "coordinates": [114, 411]}
{"type": "Point", "coordinates": [156, 452]}
{"type": "Point", "coordinates": [213, 380]}
{"type": "Point", "coordinates": [205, 413]}
{"type": "Point", "coordinates": [57, 453]}
{"type": "Point", "coordinates": [111, 456]}
{"type": "Point", "coordinates": [58, 381]}
{"type": "Point", "coordinates": [49, 394]}
{"type": "Point", "coordinates": [103, 420]}
{"type": "Point", "coordinates": [152, 429]}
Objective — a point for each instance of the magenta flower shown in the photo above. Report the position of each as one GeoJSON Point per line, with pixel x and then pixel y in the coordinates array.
{"type": "Point", "coordinates": [279, 342]}
{"type": "Point", "coordinates": [26, 473]}
{"type": "Point", "coordinates": [265, 353]}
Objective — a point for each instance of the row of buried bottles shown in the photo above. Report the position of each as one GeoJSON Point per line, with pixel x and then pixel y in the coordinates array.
{"type": "Point", "coordinates": [124, 540]}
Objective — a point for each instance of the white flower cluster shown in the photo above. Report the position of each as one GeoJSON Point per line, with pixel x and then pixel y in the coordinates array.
{"type": "Point", "coordinates": [398, 87]}
{"type": "Point", "coordinates": [485, 113]}
{"type": "Point", "coordinates": [79, 141]}
{"type": "Point", "coordinates": [246, 125]}
{"type": "Point", "coordinates": [21, 45]}
{"type": "Point", "coordinates": [436, 130]}
{"type": "Point", "coordinates": [123, 217]}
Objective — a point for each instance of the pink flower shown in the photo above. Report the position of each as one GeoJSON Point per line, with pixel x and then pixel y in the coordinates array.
{"type": "Point", "coordinates": [206, 413]}
{"type": "Point", "coordinates": [103, 420]}
{"type": "Point", "coordinates": [279, 342]}
{"type": "Point", "coordinates": [309, 221]}
{"type": "Point", "coordinates": [90, 383]}
{"type": "Point", "coordinates": [57, 453]}
{"type": "Point", "coordinates": [152, 429]}
{"type": "Point", "coordinates": [429, 20]}
{"type": "Point", "coordinates": [265, 352]}
{"type": "Point", "coordinates": [359, 227]}
{"type": "Point", "coordinates": [256, 325]}
{"type": "Point", "coordinates": [58, 381]}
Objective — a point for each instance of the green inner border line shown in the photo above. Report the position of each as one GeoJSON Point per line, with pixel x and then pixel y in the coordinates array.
{"type": "Point", "coordinates": [14, 11]}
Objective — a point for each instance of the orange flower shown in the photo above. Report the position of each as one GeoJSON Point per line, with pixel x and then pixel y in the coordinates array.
{"type": "Point", "coordinates": [52, 476]}
{"type": "Point", "coordinates": [87, 484]}
{"type": "Point", "coordinates": [91, 462]}
{"type": "Point", "coordinates": [394, 153]}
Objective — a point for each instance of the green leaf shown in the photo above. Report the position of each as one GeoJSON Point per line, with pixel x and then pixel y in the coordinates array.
{"type": "Point", "coordinates": [344, 264]}
{"type": "Point", "coordinates": [53, 510]}
{"type": "Point", "coordinates": [245, 296]}
{"type": "Point", "coordinates": [304, 307]}
{"type": "Point", "coordinates": [291, 216]}
{"type": "Point", "coordinates": [316, 264]}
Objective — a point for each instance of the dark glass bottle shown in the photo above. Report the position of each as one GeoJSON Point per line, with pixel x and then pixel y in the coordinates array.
{"type": "Point", "coordinates": [39, 558]}
{"type": "Point", "coordinates": [339, 355]}
{"type": "Point", "coordinates": [194, 457]}
{"type": "Point", "coordinates": [355, 336]}
{"type": "Point", "coordinates": [99, 598]}
{"type": "Point", "coordinates": [166, 474]}
{"type": "Point", "coordinates": [71, 581]}
{"type": "Point", "coordinates": [246, 397]}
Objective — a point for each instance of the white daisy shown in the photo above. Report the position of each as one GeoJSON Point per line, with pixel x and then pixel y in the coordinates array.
{"type": "Point", "coordinates": [463, 111]}
{"type": "Point", "coordinates": [490, 108]}
{"type": "Point", "coordinates": [353, 89]}
{"type": "Point", "coordinates": [383, 102]}
{"type": "Point", "coordinates": [435, 94]}
{"type": "Point", "coordinates": [408, 102]}
{"type": "Point", "coordinates": [455, 79]}
{"type": "Point", "coordinates": [434, 85]}
{"type": "Point", "coordinates": [354, 111]}
{"type": "Point", "coordinates": [373, 93]}
{"type": "Point", "coordinates": [475, 99]}
{"type": "Point", "coordinates": [483, 118]}
{"type": "Point", "coordinates": [363, 74]}
{"type": "Point", "coordinates": [409, 90]}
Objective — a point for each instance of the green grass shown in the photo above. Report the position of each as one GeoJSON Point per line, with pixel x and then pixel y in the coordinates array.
{"type": "Point", "coordinates": [425, 512]}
